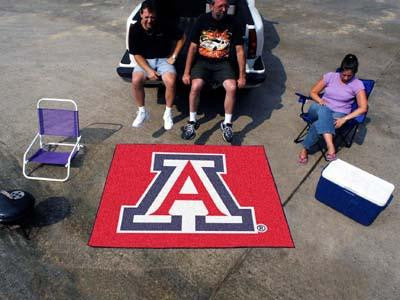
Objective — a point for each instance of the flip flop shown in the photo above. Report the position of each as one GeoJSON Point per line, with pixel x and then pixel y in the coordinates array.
{"type": "Point", "coordinates": [331, 157]}
{"type": "Point", "coordinates": [302, 160]}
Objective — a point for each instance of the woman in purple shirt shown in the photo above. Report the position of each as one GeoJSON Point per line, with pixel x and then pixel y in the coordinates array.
{"type": "Point", "coordinates": [333, 109]}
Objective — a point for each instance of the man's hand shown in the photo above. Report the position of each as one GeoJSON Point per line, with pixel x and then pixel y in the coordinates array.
{"type": "Point", "coordinates": [186, 79]}
{"type": "Point", "coordinates": [340, 122]}
{"type": "Point", "coordinates": [171, 60]}
{"type": "Point", "coordinates": [153, 75]}
{"type": "Point", "coordinates": [322, 102]}
{"type": "Point", "coordinates": [241, 82]}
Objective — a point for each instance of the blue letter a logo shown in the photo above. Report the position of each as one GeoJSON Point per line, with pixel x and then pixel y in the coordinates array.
{"type": "Point", "coordinates": [188, 195]}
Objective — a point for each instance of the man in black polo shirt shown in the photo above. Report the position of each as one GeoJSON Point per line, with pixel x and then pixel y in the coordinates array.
{"type": "Point", "coordinates": [212, 39]}
{"type": "Point", "coordinates": [152, 47]}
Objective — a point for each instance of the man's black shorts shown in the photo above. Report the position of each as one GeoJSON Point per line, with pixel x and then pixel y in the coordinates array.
{"type": "Point", "coordinates": [213, 72]}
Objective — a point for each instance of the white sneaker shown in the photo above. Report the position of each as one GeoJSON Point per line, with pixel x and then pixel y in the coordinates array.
{"type": "Point", "coordinates": [141, 117]}
{"type": "Point", "coordinates": [168, 123]}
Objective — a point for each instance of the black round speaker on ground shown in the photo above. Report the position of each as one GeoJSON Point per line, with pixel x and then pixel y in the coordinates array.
{"type": "Point", "coordinates": [16, 207]}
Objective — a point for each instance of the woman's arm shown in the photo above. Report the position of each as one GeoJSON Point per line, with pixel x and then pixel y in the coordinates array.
{"type": "Point", "coordinates": [362, 103]}
{"type": "Point", "coordinates": [316, 90]}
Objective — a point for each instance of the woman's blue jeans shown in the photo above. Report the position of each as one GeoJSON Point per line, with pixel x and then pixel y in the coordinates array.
{"type": "Point", "coordinates": [323, 122]}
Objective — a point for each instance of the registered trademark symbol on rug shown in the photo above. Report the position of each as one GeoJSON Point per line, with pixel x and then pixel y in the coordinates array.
{"type": "Point", "coordinates": [262, 228]}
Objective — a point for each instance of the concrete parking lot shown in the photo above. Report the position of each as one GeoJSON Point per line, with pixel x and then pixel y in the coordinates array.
{"type": "Point", "coordinates": [69, 49]}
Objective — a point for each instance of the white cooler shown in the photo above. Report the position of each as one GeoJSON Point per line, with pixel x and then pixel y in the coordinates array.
{"type": "Point", "coordinates": [355, 193]}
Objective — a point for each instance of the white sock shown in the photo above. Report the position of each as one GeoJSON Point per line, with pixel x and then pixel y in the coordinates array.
{"type": "Point", "coordinates": [168, 110]}
{"type": "Point", "coordinates": [141, 109]}
{"type": "Point", "coordinates": [228, 118]}
{"type": "Point", "coordinates": [192, 116]}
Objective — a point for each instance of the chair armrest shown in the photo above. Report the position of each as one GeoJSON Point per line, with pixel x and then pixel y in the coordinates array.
{"type": "Point", "coordinates": [29, 147]}
{"type": "Point", "coordinates": [76, 146]}
{"type": "Point", "coordinates": [303, 98]}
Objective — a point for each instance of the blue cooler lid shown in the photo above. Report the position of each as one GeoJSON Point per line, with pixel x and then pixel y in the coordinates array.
{"type": "Point", "coordinates": [359, 182]}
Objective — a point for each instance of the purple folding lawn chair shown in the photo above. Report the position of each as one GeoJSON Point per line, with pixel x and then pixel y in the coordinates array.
{"type": "Point", "coordinates": [57, 122]}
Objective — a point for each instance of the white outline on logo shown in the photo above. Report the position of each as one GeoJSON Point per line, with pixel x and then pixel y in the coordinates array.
{"type": "Point", "coordinates": [159, 199]}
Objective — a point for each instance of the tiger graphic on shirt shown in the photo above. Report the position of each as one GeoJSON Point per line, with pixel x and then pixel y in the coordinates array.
{"type": "Point", "coordinates": [215, 44]}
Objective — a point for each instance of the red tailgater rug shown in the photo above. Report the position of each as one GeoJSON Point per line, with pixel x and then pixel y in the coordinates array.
{"type": "Point", "coordinates": [186, 196]}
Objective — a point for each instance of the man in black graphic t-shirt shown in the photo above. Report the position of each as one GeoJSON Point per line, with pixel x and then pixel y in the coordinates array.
{"type": "Point", "coordinates": [213, 39]}
{"type": "Point", "coordinates": [155, 47]}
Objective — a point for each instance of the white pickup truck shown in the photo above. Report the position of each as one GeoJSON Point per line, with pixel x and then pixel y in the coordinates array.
{"type": "Point", "coordinates": [187, 12]}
